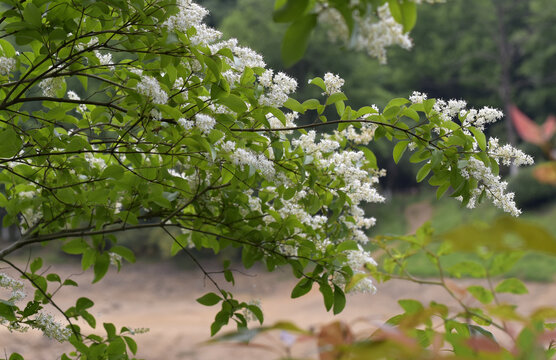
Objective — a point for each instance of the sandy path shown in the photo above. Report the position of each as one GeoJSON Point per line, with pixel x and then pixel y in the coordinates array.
{"type": "Point", "coordinates": [162, 298]}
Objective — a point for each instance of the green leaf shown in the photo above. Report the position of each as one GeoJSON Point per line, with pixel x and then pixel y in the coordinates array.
{"type": "Point", "coordinates": [131, 344]}
{"type": "Point", "coordinates": [100, 269]}
{"type": "Point", "coordinates": [479, 136]}
{"type": "Point", "coordinates": [294, 105]}
{"type": "Point", "coordinates": [302, 288]}
{"type": "Point", "coordinates": [124, 252]}
{"type": "Point", "coordinates": [334, 98]}
{"type": "Point", "coordinates": [7, 311]}
{"type": "Point", "coordinates": [113, 171]}
{"type": "Point", "coordinates": [32, 15]}
{"type": "Point", "coordinates": [296, 39]}
{"type": "Point", "coordinates": [257, 312]}
{"type": "Point", "coordinates": [399, 150]}
{"type": "Point", "coordinates": [10, 143]}
{"type": "Point", "coordinates": [36, 265]}
{"type": "Point", "coordinates": [511, 285]}
{"type": "Point", "coordinates": [292, 10]}
{"type": "Point", "coordinates": [327, 295]}
{"type": "Point", "coordinates": [83, 303]}
{"type": "Point", "coordinates": [411, 306]}
{"type": "Point", "coordinates": [480, 293]}
{"type": "Point", "coordinates": [209, 299]}
{"type": "Point", "coordinates": [75, 246]}
{"type": "Point", "coordinates": [355, 279]}
{"type": "Point", "coordinates": [16, 356]}
{"type": "Point", "coordinates": [234, 103]}
{"type": "Point", "coordinates": [339, 300]}
{"type": "Point", "coordinates": [404, 12]}
{"type": "Point", "coordinates": [423, 172]}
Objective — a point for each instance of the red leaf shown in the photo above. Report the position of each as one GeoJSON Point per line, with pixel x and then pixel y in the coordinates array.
{"type": "Point", "coordinates": [549, 127]}
{"type": "Point", "coordinates": [526, 128]}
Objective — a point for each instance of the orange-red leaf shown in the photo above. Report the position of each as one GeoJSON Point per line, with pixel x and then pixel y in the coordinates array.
{"type": "Point", "coordinates": [526, 128]}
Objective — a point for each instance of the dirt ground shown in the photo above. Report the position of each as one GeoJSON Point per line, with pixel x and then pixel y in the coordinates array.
{"type": "Point", "coordinates": [162, 298]}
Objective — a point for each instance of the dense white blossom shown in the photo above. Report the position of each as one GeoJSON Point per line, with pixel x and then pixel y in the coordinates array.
{"type": "Point", "coordinates": [333, 83]}
{"type": "Point", "coordinates": [51, 85]}
{"type": "Point", "coordinates": [186, 124]}
{"type": "Point", "coordinates": [417, 97]}
{"type": "Point", "coordinates": [82, 108]}
{"type": "Point", "coordinates": [15, 286]}
{"type": "Point", "coordinates": [372, 35]}
{"type": "Point", "coordinates": [95, 161]}
{"type": "Point", "coordinates": [507, 154]}
{"type": "Point", "coordinates": [492, 185]}
{"type": "Point", "coordinates": [51, 328]}
{"type": "Point", "coordinates": [150, 87]}
{"type": "Point", "coordinates": [277, 89]}
{"type": "Point", "coordinates": [190, 14]}
{"type": "Point", "coordinates": [205, 123]}
{"type": "Point", "coordinates": [104, 59]}
{"type": "Point", "coordinates": [7, 65]}
{"type": "Point", "coordinates": [246, 157]}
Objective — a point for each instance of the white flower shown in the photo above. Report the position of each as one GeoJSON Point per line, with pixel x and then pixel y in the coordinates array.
{"type": "Point", "coordinates": [491, 184]}
{"type": "Point", "coordinates": [190, 14]}
{"type": "Point", "coordinates": [149, 86]}
{"type": "Point", "coordinates": [417, 97]}
{"type": "Point", "coordinates": [105, 59]}
{"type": "Point", "coordinates": [7, 65]}
{"type": "Point", "coordinates": [186, 124]}
{"type": "Point", "coordinates": [228, 146]}
{"type": "Point", "coordinates": [205, 123]}
{"type": "Point", "coordinates": [246, 157]}
{"type": "Point", "coordinates": [50, 86]}
{"type": "Point", "coordinates": [15, 286]}
{"type": "Point", "coordinates": [73, 96]}
{"type": "Point", "coordinates": [51, 328]}
{"type": "Point", "coordinates": [333, 83]}
{"type": "Point", "coordinates": [115, 259]}
{"type": "Point", "coordinates": [94, 161]}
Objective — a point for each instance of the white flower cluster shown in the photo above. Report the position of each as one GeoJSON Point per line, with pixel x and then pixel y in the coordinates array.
{"type": "Point", "coordinates": [82, 108]}
{"type": "Point", "coordinates": [357, 259]}
{"type": "Point", "coordinates": [95, 161]}
{"type": "Point", "coordinates": [7, 65]}
{"type": "Point", "coordinates": [507, 154]}
{"type": "Point", "coordinates": [15, 286]}
{"type": "Point", "coordinates": [205, 123]}
{"type": "Point", "coordinates": [149, 87]}
{"type": "Point", "coordinates": [115, 259]}
{"type": "Point", "coordinates": [105, 59]}
{"type": "Point", "coordinates": [417, 97]}
{"type": "Point", "coordinates": [51, 328]}
{"type": "Point", "coordinates": [333, 83]}
{"type": "Point", "coordinates": [190, 14]}
{"type": "Point", "coordinates": [278, 88]}
{"type": "Point", "coordinates": [372, 36]}
{"type": "Point", "coordinates": [248, 314]}
{"type": "Point", "coordinates": [275, 123]}
{"type": "Point", "coordinates": [491, 184]}
{"type": "Point", "coordinates": [30, 217]}
{"type": "Point", "coordinates": [375, 37]}
{"type": "Point", "coordinates": [294, 207]}
{"type": "Point", "coordinates": [246, 157]}
{"type": "Point", "coordinates": [50, 86]}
